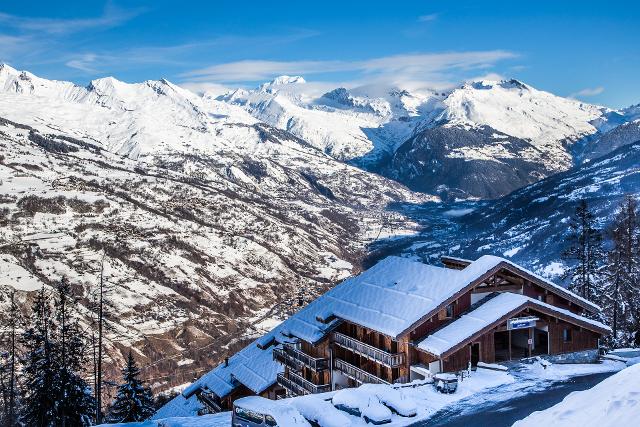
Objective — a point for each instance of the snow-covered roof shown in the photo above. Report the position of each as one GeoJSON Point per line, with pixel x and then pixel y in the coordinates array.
{"type": "Point", "coordinates": [585, 303]}
{"type": "Point", "coordinates": [495, 310]}
{"type": "Point", "coordinates": [395, 294]}
{"type": "Point", "coordinates": [252, 366]}
{"type": "Point", "coordinates": [541, 280]}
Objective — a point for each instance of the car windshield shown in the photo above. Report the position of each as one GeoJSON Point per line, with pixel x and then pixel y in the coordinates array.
{"type": "Point", "coordinates": [252, 416]}
{"type": "Point", "coordinates": [270, 421]}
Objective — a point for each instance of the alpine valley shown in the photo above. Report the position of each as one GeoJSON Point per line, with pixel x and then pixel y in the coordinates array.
{"type": "Point", "coordinates": [212, 218]}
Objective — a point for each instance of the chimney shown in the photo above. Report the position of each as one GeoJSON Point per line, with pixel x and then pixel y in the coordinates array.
{"type": "Point", "coordinates": [226, 361]}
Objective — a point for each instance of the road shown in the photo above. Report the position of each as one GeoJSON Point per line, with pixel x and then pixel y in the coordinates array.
{"type": "Point", "coordinates": [505, 413]}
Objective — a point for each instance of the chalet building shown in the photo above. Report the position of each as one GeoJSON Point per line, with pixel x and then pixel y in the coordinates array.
{"type": "Point", "coordinates": [403, 320]}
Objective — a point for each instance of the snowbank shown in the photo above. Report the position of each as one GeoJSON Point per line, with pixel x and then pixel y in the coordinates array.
{"type": "Point", "coordinates": [215, 420]}
{"type": "Point", "coordinates": [612, 403]}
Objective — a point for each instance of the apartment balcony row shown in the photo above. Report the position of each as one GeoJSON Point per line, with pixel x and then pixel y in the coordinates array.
{"type": "Point", "coordinates": [294, 358]}
{"type": "Point", "coordinates": [356, 373]}
{"type": "Point", "coordinates": [299, 386]}
{"type": "Point", "coordinates": [391, 360]}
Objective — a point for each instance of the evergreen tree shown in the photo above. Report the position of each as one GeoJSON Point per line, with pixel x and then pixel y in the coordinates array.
{"type": "Point", "coordinates": [74, 402]}
{"type": "Point", "coordinates": [134, 401]}
{"type": "Point", "coordinates": [8, 380]}
{"type": "Point", "coordinates": [38, 371]}
{"type": "Point", "coordinates": [623, 270]}
{"type": "Point", "coordinates": [586, 252]}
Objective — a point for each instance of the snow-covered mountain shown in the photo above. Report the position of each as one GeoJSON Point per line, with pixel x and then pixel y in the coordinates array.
{"type": "Point", "coordinates": [201, 250]}
{"type": "Point", "coordinates": [347, 125]}
{"type": "Point", "coordinates": [529, 225]}
{"type": "Point", "coordinates": [215, 225]}
{"type": "Point", "coordinates": [219, 213]}
{"type": "Point", "coordinates": [497, 136]}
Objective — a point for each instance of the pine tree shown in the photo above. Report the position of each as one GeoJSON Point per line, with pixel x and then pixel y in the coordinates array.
{"type": "Point", "coordinates": [586, 252]}
{"type": "Point", "coordinates": [623, 271]}
{"type": "Point", "coordinates": [74, 402]}
{"type": "Point", "coordinates": [8, 379]}
{"type": "Point", "coordinates": [38, 371]}
{"type": "Point", "coordinates": [134, 401]}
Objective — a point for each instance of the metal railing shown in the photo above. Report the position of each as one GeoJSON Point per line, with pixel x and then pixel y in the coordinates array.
{"type": "Point", "coordinates": [356, 373]}
{"type": "Point", "coordinates": [279, 355]}
{"type": "Point", "coordinates": [300, 386]}
{"type": "Point", "coordinates": [210, 400]}
{"type": "Point", "coordinates": [294, 358]}
{"type": "Point", "coordinates": [392, 360]}
{"type": "Point", "coordinates": [315, 363]}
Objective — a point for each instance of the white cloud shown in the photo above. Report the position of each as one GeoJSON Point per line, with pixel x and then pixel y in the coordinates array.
{"type": "Point", "coordinates": [588, 92]}
{"type": "Point", "coordinates": [406, 67]}
{"type": "Point", "coordinates": [84, 63]}
{"type": "Point", "coordinates": [111, 17]}
{"type": "Point", "coordinates": [428, 18]}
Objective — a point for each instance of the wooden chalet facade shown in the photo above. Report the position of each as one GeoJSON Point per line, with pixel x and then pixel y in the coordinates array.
{"type": "Point", "coordinates": [402, 320]}
{"type": "Point", "coordinates": [350, 354]}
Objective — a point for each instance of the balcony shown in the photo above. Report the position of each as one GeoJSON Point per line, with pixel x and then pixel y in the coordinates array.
{"type": "Point", "coordinates": [391, 360]}
{"type": "Point", "coordinates": [356, 373]}
{"type": "Point", "coordinates": [279, 355]}
{"type": "Point", "coordinates": [211, 401]}
{"type": "Point", "coordinates": [293, 357]}
{"type": "Point", "coordinates": [299, 386]}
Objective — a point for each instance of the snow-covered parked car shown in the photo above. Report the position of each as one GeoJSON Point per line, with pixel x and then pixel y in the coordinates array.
{"type": "Point", "coordinates": [320, 412]}
{"type": "Point", "coordinates": [256, 411]}
{"type": "Point", "coordinates": [445, 383]}
{"type": "Point", "coordinates": [393, 399]}
{"type": "Point", "coordinates": [361, 403]}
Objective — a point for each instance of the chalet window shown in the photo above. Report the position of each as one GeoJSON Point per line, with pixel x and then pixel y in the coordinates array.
{"type": "Point", "coordinates": [566, 335]}
{"type": "Point", "coordinates": [449, 311]}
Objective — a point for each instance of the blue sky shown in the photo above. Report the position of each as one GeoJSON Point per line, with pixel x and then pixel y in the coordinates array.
{"type": "Point", "coordinates": [588, 50]}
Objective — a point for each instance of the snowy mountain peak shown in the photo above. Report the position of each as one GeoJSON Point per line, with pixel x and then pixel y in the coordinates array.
{"type": "Point", "coordinates": [285, 80]}
{"type": "Point", "coordinates": [6, 69]}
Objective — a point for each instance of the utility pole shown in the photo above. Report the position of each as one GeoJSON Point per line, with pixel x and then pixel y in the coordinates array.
{"type": "Point", "coordinates": [98, 385]}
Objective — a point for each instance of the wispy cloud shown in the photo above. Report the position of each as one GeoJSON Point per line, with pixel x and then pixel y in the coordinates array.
{"type": "Point", "coordinates": [428, 18]}
{"type": "Point", "coordinates": [93, 62]}
{"type": "Point", "coordinates": [111, 17]}
{"type": "Point", "coordinates": [85, 62]}
{"type": "Point", "coordinates": [586, 92]}
{"type": "Point", "coordinates": [396, 67]}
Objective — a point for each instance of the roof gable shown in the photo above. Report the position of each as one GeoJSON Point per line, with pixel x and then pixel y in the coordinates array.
{"type": "Point", "coordinates": [493, 312]}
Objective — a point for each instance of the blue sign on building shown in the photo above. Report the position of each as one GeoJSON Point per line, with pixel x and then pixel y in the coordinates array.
{"type": "Point", "coordinates": [522, 323]}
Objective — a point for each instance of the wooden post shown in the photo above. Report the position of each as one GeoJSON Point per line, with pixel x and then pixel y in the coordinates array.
{"type": "Point", "coordinates": [509, 343]}
{"type": "Point", "coordinates": [530, 343]}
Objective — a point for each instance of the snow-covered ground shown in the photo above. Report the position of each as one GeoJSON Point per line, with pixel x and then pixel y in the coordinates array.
{"type": "Point", "coordinates": [615, 402]}
{"type": "Point", "coordinates": [215, 420]}
{"type": "Point", "coordinates": [482, 387]}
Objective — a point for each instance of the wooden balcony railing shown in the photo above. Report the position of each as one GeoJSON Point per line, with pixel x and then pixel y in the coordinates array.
{"type": "Point", "coordinates": [299, 386]}
{"type": "Point", "coordinates": [211, 401]}
{"type": "Point", "coordinates": [315, 363]}
{"type": "Point", "coordinates": [279, 355]}
{"type": "Point", "coordinates": [356, 373]}
{"type": "Point", "coordinates": [392, 360]}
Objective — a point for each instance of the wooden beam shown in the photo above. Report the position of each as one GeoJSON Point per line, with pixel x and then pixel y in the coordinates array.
{"type": "Point", "coordinates": [485, 289]}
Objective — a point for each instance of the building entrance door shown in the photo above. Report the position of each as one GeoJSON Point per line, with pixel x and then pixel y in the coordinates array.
{"type": "Point", "coordinates": [475, 354]}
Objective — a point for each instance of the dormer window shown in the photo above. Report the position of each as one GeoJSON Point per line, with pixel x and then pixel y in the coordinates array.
{"type": "Point", "coordinates": [449, 311]}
